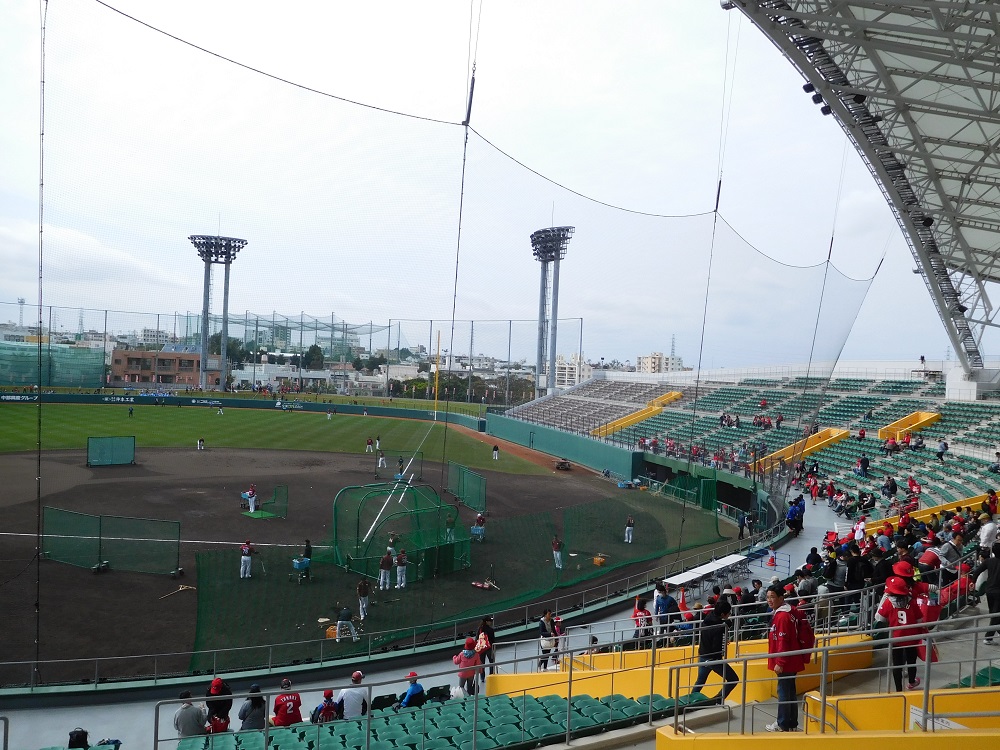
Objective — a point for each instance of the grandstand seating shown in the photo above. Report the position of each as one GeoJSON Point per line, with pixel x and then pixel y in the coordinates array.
{"type": "Point", "coordinates": [968, 426]}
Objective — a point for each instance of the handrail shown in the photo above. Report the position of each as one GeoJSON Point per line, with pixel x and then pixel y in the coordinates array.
{"type": "Point", "coordinates": [970, 628]}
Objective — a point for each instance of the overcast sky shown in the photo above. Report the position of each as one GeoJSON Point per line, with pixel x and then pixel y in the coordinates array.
{"type": "Point", "coordinates": [354, 212]}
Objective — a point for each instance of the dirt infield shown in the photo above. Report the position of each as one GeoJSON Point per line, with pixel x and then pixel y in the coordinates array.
{"type": "Point", "coordinates": [116, 613]}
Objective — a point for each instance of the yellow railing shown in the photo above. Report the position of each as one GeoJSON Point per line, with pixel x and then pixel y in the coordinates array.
{"type": "Point", "coordinates": [802, 448]}
{"type": "Point", "coordinates": [918, 420]}
{"type": "Point", "coordinates": [651, 409]}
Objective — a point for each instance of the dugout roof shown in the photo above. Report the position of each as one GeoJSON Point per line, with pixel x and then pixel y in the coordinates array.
{"type": "Point", "coordinates": [916, 86]}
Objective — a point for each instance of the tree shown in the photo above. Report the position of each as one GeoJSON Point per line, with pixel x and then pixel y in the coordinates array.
{"type": "Point", "coordinates": [313, 359]}
{"type": "Point", "coordinates": [234, 349]}
{"type": "Point", "coordinates": [404, 353]}
{"type": "Point", "coordinates": [357, 364]}
{"type": "Point", "coordinates": [280, 359]}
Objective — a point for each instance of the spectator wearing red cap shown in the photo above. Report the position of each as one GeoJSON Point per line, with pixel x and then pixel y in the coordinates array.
{"type": "Point", "coordinates": [287, 707]}
{"type": "Point", "coordinates": [218, 708]}
{"type": "Point", "coordinates": [326, 711]}
{"type": "Point", "coordinates": [352, 702]}
{"type": "Point", "coordinates": [899, 609]}
{"type": "Point", "coordinates": [414, 697]}
{"type": "Point", "coordinates": [468, 662]}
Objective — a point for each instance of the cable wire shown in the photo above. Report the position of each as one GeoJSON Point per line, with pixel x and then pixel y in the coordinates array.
{"type": "Point", "coordinates": [272, 76]}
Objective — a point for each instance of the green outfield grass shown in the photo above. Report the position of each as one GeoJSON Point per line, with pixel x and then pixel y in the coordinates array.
{"type": "Point", "coordinates": [67, 426]}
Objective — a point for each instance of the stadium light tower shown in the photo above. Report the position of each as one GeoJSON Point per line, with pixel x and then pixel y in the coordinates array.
{"type": "Point", "coordinates": [549, 247]}
{"type": "Point", "coordinates": [214, 249]}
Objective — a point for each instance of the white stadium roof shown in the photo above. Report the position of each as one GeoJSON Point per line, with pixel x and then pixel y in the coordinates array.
{"type": "Point", "coordinates": [916, 86]}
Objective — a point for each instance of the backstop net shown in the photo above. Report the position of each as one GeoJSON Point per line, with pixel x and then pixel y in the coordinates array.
{"type": "Point", "coordinates": [140, 545]}
{"type": "Point", "coordinates": [110, 451]}
{"type": "Point", "coordinates": [468, 486]}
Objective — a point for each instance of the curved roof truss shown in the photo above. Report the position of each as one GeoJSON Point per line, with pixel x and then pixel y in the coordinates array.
{"type": "Point", "coordinates": [916, 86]}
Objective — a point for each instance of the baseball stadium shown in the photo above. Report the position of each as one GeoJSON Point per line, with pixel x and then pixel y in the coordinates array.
{"type": "Point", "coordinates": [415, 516]}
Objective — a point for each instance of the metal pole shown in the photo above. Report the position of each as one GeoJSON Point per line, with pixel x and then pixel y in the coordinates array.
{"type": "Point", "coordinates": [224, 344]}
{"type": "Point", "coordinates": [302, 322]}
{"type": "Point", "coordinates": [388, 349]}
{"type": "Point", "coordinates": [472, 365]}
{"type": "Point", "coordinates": [510, 336]}
{"type": "Point", "coordinates": [105, 348]}
{"type": "Point", "coordinates": [551, 380]}
{"type": "Point", "coordinates": [540, 349]}
{"type": "Point", "coordinates": [203, 359]}
{"type": "Point", "coordinates": [156, 359]}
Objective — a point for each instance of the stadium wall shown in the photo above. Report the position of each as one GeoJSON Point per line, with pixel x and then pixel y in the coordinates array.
{"type": "Point", "coordinates": [464, 420]}
{"type": "Point", "coordinates": [594, 454]}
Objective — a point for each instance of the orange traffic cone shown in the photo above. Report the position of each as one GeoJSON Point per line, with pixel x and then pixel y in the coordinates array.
{"type": "Point", "coordinates": [771, 561]}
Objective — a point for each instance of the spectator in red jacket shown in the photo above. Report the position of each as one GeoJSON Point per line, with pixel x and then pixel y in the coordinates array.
{"type": "Point", "coordinates": [287, 707]}
{"type": "Point", "coordinates": [783, 636]}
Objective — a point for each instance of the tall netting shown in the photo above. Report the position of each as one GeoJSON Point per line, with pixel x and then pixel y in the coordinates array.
{"type": "Point", "coordinates": [71, 538]}
{"type": "Point", "coordinates": [110, 451]}
{"type": "Point", "coordinates": [63, 365]}
{"type": "Point", "coordinates": [468, 486]}
{"type": "Point", "coordinates": [142, 545]}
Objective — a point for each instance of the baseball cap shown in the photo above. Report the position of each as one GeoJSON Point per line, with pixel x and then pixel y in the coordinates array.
{"type": "Point", "coordinates": [286, 683]}
{"type": "Point", "coordinates": [470, 643]}
{"type": "Point", "coordinates": [328, 693]}
{"type": "Point", "coordinates": [985, 517]}
{"type": "Point", "coordinates": [411, 676]}
{"type": "Point", "coordinates": [358, 676]}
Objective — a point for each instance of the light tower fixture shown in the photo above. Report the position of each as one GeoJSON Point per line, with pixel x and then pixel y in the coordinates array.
{"type": "Point", "coordinates": [549, 246]}
{"type": "Point", "coordinates": [215, 249]}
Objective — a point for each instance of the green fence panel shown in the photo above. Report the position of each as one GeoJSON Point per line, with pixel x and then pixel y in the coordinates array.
{"type": "Point", "coordinates": [142, 545]}
{"type": "Point", "coordinates": [110, 451]}
{"type": "Point", "coordinates": [71, 538]}
{"type": "Point", "coordinates": [468, 486]}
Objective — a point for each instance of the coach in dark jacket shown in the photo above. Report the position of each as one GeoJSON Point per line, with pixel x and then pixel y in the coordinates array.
{"type": "Point", "coordinates": [712, 647]}
{"type": "Point", "coordinates": [992, 569]}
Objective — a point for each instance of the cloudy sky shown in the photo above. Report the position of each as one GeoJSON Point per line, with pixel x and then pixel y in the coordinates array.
{"type": "Point", "coordinates": [581, 109]}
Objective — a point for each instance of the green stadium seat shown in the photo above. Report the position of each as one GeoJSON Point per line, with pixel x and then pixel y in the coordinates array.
{"type": "Point", "coordinates": [188, 743]}
{"type": "Point", "coordinates": [511, 738]}
{"type": "Point", "coordinates": [481, 743]}
{"type": "Point", "coordinates": [540, 729]}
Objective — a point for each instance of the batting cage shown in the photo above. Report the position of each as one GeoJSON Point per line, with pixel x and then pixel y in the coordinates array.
{"type": "Point", "coordinates": [140, 545]}
{"type": "Point", "coordinates": [468, 486]}
{"type": "Point", "coordinates": [274, 507]}
{"type": "Point", "coordinates": [110, 451]}
{"type": "Point", "coordinates": [367, 519]}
